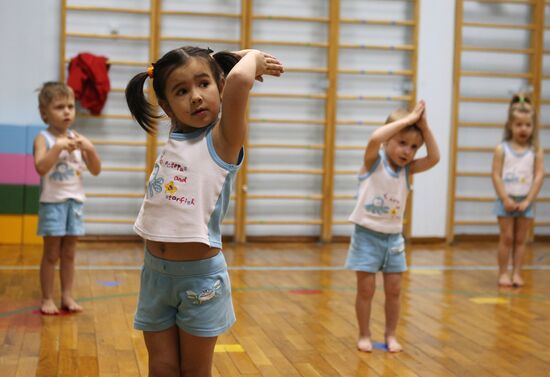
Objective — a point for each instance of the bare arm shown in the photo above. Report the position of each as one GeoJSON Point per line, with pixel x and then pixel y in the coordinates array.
{"type": "Point", "coordinates": [384, 133]}
{"type": "Point", "coordinates": [89, 154]}
{"type": "Point", "coordinates": [537, 181]}
{"type": "Point", "coordinates": [229, 137]}
{"type": "Point", "coordinates": [496, 175]}
{"type": "Point", "coordinates": [44, 158]}
{"type": "Point", "coordinates": [432, 157]}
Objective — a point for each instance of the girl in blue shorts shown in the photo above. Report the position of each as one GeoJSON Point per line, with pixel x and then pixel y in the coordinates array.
{"type": "Point", "coordinates": [517, 175]}
{"type": "Point", "coordinates": [377, 243]}
{"type": "Point", "coordinates": [185, 294]}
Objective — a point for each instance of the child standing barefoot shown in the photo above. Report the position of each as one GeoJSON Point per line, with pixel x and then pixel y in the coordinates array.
{"type": "Point", "coordinates": [185, 294]}
{"type": "Point", "coordinates": [377, 243]}
{"type": "Point", "coordinates": [60, 155]}
{"type": "Point", "coordinates": [517, 174]}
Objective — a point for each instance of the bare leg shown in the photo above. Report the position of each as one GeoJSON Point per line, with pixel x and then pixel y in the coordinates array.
{"type": "Point", "coordinates": [164, 352]}
{"type": "Point", "coordinates": [366, 285]}
{"type": "Point", "coordinates": [68, 248]}
{"type": "Point", "coordinates": [52, 247]}
{"type": "Point", "coordinates": [392, 291]}
{"type": "Point", "coordinates": [505, 245]}
{"type": "Point", "coordinates": [521, 229]}
{"type": "Point", "coordinates": [196, 354]}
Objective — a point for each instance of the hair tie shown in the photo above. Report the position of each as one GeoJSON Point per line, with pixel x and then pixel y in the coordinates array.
{"type": "Point", "coordinates": [150, 71]}
{"type": "Point", "coordinates": [521, 99]}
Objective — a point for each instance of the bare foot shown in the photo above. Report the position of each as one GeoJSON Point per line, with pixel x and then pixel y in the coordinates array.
{"type": "Point", "coordinates": [504, 280]}
{"type": "Point", "coordinates": [364, 344]}
{"type": "Point", "coordinates": [393, 345]}
{"type": "Point", "coordinates": [48, 307]}
{"type": "Point", "coordinates": [70, 305]}
{"type": "Point", "coordinates": [517, 281]}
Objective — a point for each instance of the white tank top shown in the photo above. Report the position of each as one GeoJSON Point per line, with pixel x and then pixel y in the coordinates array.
{"type": "Point", "coordinates": [64, 180]}
{"type": "Point", "coordinates": [188, 191]}
{"type": "Point", "coordinates": [382, 197]}
{"type": "Point", "coordinates": [517, 170]}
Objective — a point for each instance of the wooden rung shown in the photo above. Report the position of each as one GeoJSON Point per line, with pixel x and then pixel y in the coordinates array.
{"type": "Point", "coordinates": [289, 43]}
{"type": "Point", "coordinates": [228, 222]}
{"type": "Point", "coordinates": [129, 143]}
{"type": "Point", "coordinates": [109, 36]}
{"type": "Point", "coordinates": [121, 62]}
{"type": "Point", "coordinates": [346, 172]}
{"type": "Point", "coordinates": [305, 70]}
{"type": "Point", "coordinates": [128, 169]}
{"type": "Point", "coordinates": [485, 99]}
{"type": "Point", "coordinates": [473, 174]}
{"type": "Point", "coordinates": [106, 220]}
{"type": "Point", "coordinates": [287, 121]}
{"type": "Point", "coordinates": [546, 77]}
{"type": "Point", "coordinates": [104, 116]}
{"type": "Point", "coordinates": [290, 18]}
{"type": "Point", "coordinates": [378, 47]}
{"type": "Point", "coordinates": [475, 222]}
{"type": "Point", "coordinates": [285, 171]}
{"type": "Point", "coordinates": [542, 223]}
{"type": "Point", "coordinates": [107, 9]}
{"type": "Point", "coordinates": [484, 149]}
{"type": "Point", "coordinates": [285, 146]}
{"type": "Point", "coordinates": [496, 74]}
{"type": "Point", "coordinates": [284, 222]}
{"type": "Point", "coordinates": [284, 197]}
{"type": "Point", "coordinates": [174, 38]}
{"type": "Point", "coordinates": [199, 14]}
{"type": "Point", "coordinates": [114, 194]}
{"type": "Point", "coordinates": [545, 101]}
{"type": "Point", "coordinates": [378, 72]}
{"type": "Point", "coordinates": [375, 98]}
{"type": "Point", "coordinates": [349, 147]}
{"type": "Point", "coordinates": [526, 2]}
{"type": "Point", "coordinates": [344, 197]}
{"type": "Point", "coordinates": [289, 95]}
{"type": "Point", "coordinates": [474, 199]}
{"type": "Point", "coordinates": [499, 26]}
{"type": "Point", "coordinates": [480, 125]}
{"type": "Point", "coordinates": [351, 122]}
{"type": "Point", "coordinates": [525, 51]}
{"type": "Point", "coordinates": [378, 22]}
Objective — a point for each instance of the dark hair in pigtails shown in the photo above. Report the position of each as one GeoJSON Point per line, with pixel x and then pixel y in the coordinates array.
{"type": "Point", "coordinates": [142, 111]}
{"type": "Point", "coordinates": [226, 60]}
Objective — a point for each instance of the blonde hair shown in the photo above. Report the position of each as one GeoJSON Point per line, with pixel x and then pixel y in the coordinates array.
{"type": "Point", "coordinates": [521, 103]}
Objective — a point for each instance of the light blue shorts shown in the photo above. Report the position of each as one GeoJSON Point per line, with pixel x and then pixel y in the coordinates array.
{"type": "Point", "coordinates": [501, 212]}
{"type": "Point", "coordinates": [61, 219]}
{"type": "Point", "coordinates": [372, 251]}
{"type": "Point", "coordinates": [194, 295]}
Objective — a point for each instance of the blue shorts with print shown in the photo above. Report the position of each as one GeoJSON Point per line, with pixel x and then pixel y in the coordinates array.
{"type": "Point", "coordinates": [61, 219]}
{"type": "Point", "coordinates": [372, 251]}
{"type": "Point", "coordinates": [501, 212]}
{"type": "Point", "coordinates": [194, 295]}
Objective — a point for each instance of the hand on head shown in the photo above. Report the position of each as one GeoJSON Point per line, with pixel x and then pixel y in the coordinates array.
{"type": "Point", "coordinates": [417, 112]}
{"type": "Point", "coordinates": [267, 64]}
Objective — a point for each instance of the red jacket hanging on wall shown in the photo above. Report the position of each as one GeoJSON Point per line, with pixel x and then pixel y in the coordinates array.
{"type": "Point", "coordinates": [89, 80]}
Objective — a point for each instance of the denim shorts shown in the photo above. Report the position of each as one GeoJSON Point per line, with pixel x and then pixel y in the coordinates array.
{"type": "Point", "coordinates": [194, 295]}
{"type": "Point", "coordinates": [372, 251]}
{"type": "Point", "coordinates": [61, 219]}
{"type": "Point", "coordinates": [501, 212]}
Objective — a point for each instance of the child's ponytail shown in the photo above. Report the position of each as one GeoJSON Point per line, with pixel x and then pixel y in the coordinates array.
{"type": "Point", "coordinates": [142, 111]}
{"type": "Point", "coordinates": [226, 60]}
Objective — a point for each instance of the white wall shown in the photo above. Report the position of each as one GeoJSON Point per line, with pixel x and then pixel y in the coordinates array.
{"type": "Point", "coordinates": [30, 33]}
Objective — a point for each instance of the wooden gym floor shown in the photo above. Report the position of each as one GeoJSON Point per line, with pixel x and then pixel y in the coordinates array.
{"type": "Point", "coordinates": [295, 315]}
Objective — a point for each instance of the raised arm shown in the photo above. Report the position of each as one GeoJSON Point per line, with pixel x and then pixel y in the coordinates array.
{"type": "Point", "coordinates": [384, 133]}
{"type": "Point", "coordinates": [496, 175]}
{"type": "Point", "coordinates": [432, 156]}
{"type": "Point", "coordinates": [229, 137]}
